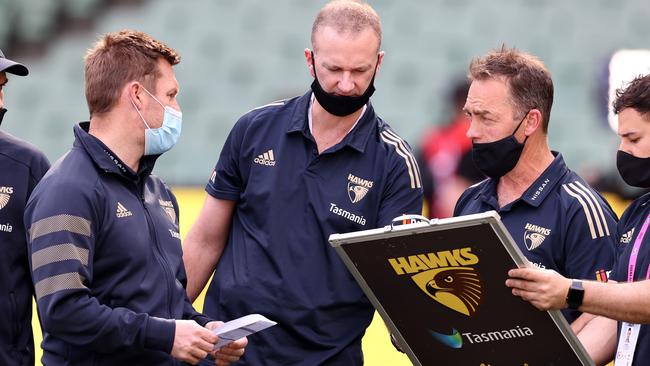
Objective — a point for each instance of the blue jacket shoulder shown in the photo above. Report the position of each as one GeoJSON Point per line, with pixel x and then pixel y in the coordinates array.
{"type": "Point", "coordinates": [21, 151]}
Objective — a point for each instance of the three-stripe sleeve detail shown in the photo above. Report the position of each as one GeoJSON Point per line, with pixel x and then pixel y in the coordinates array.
{"type": "Point", "coordinates": [591, 208]}
{"type": "Point", "coordinates": [59, 253]}
{"type": "Point", "coordinates": [52, 224]}
{"type": "Point", "coordinates": [391, 138]}
{"type": "Point", "coordinates": [61, 282]}
{"type": "Point", "coordinates": [598, 206]}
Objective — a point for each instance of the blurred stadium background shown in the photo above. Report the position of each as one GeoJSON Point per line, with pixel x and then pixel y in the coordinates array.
{"type": "Point", "coordinates": [241, 54]}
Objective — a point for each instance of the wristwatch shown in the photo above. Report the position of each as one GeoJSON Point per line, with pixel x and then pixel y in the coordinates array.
{"type": "Point", "coordinates": [575, 295]}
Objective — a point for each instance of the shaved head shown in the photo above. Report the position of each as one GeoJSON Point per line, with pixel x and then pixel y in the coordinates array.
{"type": "Point", "coordinates": [347, 17]}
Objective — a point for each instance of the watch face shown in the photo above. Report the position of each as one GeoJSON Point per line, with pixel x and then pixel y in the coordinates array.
{"type": "Point", "coordinates": [575, 295]}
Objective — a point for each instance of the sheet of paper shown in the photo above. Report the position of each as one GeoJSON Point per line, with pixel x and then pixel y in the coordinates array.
{"type": "Point", "coordinates": [241, 327]}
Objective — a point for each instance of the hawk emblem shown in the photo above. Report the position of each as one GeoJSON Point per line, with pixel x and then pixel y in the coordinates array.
{"type": "Point", "coordinates": [533, 239]}
{"type": "Point", "coordinates": [457, 288]}
{"type": "Point", "coordinates": [356, 192]}
{"type": "Point", "coordinates": [4, 199]}
{"type": "Point", "coordinates": [169, 209]}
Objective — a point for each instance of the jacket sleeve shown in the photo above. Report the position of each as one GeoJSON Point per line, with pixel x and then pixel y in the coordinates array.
{"type": "Point", "coordinates": [63, 224]}
{"type": "Point", "coordinates": [403, 189]}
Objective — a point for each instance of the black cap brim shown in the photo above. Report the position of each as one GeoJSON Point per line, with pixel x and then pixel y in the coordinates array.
{"type": "Point", "coordinates": [13, 67]}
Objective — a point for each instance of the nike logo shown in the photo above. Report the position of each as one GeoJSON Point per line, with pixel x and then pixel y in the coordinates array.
{"type": "Point", "coordinates": [453, 340]}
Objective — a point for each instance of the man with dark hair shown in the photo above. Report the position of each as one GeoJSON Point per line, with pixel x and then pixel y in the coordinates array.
{"type": "Point", "coordinates": [21, 167]}
{"type": "Point", "coordinates": [104, 243]}
{"type": "Point", "coordinates": [290, 174]}
{"type": "Point", "coordinates": [628, 303]}
{"type": "Point", "coordinates": [558, 221]}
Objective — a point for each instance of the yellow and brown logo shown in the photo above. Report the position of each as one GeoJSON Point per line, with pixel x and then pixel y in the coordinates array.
{"type": "Point", "coordinates": [445, 276]}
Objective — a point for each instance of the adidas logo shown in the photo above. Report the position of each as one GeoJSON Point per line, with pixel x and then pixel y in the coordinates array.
{"type": "Point", "coordinates": [627, 237]}
{"type": "Point", "coordinates": [265, 159]}
{"type": "Point", "coordinates": [122, 211]}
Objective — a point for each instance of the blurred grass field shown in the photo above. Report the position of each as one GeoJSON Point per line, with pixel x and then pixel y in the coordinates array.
{"type": "Point", "coordinates": [377, 349]}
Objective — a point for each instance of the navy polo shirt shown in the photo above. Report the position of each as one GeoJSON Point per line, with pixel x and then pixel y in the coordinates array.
{"type": "Point", "coordinates": [21, 167]}
{"type": "Point", "coordinates": [290, 198]}
{"type": "Point", "coordinates": [559, 222]}
{"type": "Point", "coordinates": [628, 230]}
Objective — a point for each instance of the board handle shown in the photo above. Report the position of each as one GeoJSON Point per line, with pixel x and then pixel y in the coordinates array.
{"type": "Point", "coordinates": [410, 219]}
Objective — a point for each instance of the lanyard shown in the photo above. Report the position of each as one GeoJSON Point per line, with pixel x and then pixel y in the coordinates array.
{"type": "Point", "coordinates": [635, 252]}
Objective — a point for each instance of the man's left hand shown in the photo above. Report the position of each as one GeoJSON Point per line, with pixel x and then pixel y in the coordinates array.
{"type": "Point", "coordinates": [545, 289]}
{"type": "Point", "coordinates": [229, 353]}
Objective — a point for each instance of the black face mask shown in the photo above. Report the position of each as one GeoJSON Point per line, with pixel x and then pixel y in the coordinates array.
{"type": "Point", "coordinates": [495, 159]}
{"type": "Point", "coordinates": [2, 114]}
{"type": "Point", "coordinates": [634, 171]}
{"type": "Point", "coordinates": [340, 105]}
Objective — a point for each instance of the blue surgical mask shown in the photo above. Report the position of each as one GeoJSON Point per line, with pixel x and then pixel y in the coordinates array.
{"type": "Point", "coordinates": [161, 139]}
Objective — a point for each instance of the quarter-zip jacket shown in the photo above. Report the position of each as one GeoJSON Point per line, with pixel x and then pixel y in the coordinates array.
{"type": "Point", "coordinates": [106, 260]}
{"type": "Point", "coordinates": [21, 167]}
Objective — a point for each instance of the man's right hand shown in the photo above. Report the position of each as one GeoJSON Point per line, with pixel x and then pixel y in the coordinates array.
{"type": "Point", "coordinates": [192, 342]}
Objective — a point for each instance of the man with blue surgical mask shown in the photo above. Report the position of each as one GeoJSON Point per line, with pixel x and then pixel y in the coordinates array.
{"type": "Point", "coordinates": [104, 242]}
{"type": "Point", "coordinates": [558, 221]}
{"type": "Point", "coordinates": [161, 139]}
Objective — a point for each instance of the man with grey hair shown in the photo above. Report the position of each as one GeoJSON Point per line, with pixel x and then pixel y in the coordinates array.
{"type": "Point", "coordinates": [558, 221]}
{"type": "Point", "coordinates": [290, 174]}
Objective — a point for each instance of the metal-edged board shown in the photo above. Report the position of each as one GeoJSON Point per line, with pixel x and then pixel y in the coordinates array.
{"type": "Point", "coordinates": [440, 288]}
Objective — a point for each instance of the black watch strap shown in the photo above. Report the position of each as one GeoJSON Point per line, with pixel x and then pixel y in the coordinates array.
{"type": "Point", "coordinates": [575, 295]}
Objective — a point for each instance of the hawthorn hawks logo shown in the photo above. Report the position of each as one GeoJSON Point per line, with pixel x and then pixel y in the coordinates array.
{"type": "Point", "coordinates": [358, 188]}
{"type": "Point", "coordinates": [169, 209]}
{"type": "Point", "coordinates": [445, 277]}
{"type": "Point", "coordinates": [457, 288]}
{"type": "Point", "coordinates": [5, 196]}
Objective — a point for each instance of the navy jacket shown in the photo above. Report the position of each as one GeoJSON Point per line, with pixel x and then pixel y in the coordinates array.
{"type": "Point", "coordinates": [628, 233]}
{"type": "Point", "coordinates": [21, 167]}
{"type": "Point", "coordinates": [290, 198]}
{"type": "Point", "coordinates": [106, 260]}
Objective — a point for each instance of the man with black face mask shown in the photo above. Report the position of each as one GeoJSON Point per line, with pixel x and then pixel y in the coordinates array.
{"type": "Point", "coordinates": [290, 174]}
{"type": "Point", "coordinates": [627, 303]}
{"type": "Point", "coordinates": [21, 167]}
{"type": "Point", "coordinates": [556, 218]}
